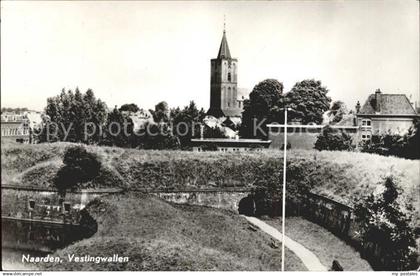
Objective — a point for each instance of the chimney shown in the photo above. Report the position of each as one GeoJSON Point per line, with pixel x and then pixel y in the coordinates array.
{"type": "Point", "coordinates": [378, 100]}
{"type": "Point", "coordinates": [357, 107]}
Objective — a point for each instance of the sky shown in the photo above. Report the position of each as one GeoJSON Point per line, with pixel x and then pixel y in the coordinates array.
{"type": "Point", "coordinates": [146, 52]}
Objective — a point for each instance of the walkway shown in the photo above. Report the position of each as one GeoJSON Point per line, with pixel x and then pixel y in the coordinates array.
{"type": "Point", "coordinates": [309, 259]}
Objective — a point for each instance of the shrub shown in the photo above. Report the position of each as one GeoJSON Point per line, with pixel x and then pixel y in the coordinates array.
{"type": "Point", "coordinates": [332, 139]}
{"type": "Point", "coordinates": [384, 224]}
{"type": "Point", "coordinates": [406, 146]}
{"type": "Point", "coordinates": [79, 166]}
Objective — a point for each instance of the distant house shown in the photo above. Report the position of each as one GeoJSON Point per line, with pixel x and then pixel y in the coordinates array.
{"type": "Point", "coordinates": [140, 118]}
{"type": "Point", "coordinates": [385, 113]}
{"type": "Point", "coordinates": [15, 127]}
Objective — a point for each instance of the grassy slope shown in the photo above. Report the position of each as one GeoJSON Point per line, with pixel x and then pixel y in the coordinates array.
{"type": "Point", "coordinates": [342, 176]}
{"type": "Point", "coordinates": [325, 245]}
{"type": "Point", "coordinates": [166, 236]}
{"type": "Point", "coordinates": [37, 165]}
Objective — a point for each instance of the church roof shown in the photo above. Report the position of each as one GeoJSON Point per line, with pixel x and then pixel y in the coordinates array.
{"type": "Point", "coordinates": [389, 104]}
{"type": "Point", "coordinates": [224, 48]}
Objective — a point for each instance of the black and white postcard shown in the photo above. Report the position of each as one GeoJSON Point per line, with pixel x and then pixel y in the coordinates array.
{"type": "Point", "coordinates": [210, 136]}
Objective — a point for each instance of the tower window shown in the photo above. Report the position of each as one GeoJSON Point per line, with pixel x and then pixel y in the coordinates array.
{"type": "Point", "coordinates": [229, 77]}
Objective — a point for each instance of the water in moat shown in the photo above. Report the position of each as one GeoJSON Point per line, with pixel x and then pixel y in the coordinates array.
{"type": "Point", "coordinates": [36, 239]}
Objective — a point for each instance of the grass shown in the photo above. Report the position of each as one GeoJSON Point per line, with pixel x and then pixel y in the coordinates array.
{"type": "Point", "coordinates": [325, 245]}
{"type": "Point", "coordinates": [342, 176]}
{"type": "Point", "coordinates": [157, 235]}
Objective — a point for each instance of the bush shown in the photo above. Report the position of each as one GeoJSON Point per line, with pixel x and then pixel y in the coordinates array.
{"type": "Point", "coordinates": [385, 144]}
{"type": "Point", "coordinates": [406, 146]}
{"type": "Point", "coordinates": [79, 166]}
{"type": "Point", "coordinates": [332, 139]}
{"type": "Point", "coordinates": [384, 224]}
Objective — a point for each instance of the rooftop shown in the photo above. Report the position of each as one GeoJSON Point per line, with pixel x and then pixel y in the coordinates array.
{"type": "Point", "coordinates": [387, 104]}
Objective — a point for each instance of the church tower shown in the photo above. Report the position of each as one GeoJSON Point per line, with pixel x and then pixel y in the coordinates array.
{"type": "Point", "coordinates": [223, 84]}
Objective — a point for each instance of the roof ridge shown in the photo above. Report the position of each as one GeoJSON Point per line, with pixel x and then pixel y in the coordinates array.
{"type": "Point", "coordinates": [396, 104]}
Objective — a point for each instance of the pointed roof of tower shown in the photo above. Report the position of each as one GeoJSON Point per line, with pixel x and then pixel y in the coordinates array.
{"type": "Point", "coordinates": [224, 48]}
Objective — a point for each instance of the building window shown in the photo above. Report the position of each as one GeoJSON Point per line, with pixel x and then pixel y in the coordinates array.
{"type": "Point", "coordinates": [366, 122]}
{"type": "Point", "coordinates": [229, 77]}
{"type": "Point", "coordinates": [31, 204]}
{"type": "Point", "coordinates": [66, 209]}
{"type": "Point", "coordinates": [366, 136]}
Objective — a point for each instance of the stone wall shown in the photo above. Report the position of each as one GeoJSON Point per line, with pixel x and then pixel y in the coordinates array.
{"type": "Point", "coordinates": [46, 204]}
{"type": "Point", "coordinates": [228, 200]}
{"type": "Point", "coordinates": [303, 137]}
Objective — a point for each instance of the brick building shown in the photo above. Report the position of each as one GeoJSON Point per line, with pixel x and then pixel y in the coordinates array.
{"type": "Point", "coordinates": [385, 113]}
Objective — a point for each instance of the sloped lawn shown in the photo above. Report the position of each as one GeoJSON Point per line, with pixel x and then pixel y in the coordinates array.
{"type": "Point", "coordinates": [157, 235]}
{"type": "Point", "coordinates": [325, 245]}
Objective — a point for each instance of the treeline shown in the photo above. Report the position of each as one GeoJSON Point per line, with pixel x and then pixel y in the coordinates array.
{"type": "Point", "coordinates": [307, 101]}
{"type": "Point", "coordinates": [82, 118]}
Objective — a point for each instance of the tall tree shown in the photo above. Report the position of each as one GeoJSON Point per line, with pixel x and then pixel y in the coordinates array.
{"type": "Point", "coordinates": [118, 130]}
{"type": "Point", "coordinates": [129, 107]}
{"type": "Point", "coordinates": [263, 98]}
{"type": "Point", "coordinates": [161, 113]}
{"type": "Point", "coordinates": [96, 112]}
{"type": "Point", "coordinates": [69, 113]}
{"type": "Point", "coordinates": [308, 100]}
{"type": "Point", "coordinates": [186, 122]}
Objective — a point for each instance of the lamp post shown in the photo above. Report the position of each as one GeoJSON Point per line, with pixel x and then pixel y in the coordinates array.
{"type": "Point", "coordinates": [283, 217]}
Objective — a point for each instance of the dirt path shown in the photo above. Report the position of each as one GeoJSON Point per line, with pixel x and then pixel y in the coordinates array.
{"type": "Point", "coordinates": [309, 259]}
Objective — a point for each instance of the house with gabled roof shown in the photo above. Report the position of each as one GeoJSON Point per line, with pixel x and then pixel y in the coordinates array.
{"type": "Point", "coordinates": [385, 113]}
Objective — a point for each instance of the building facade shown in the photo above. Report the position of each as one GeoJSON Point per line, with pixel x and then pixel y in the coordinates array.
{"type": "Point", "coordinates": [224, 84]}
{"type": "Point", "coordinates": [385, 114]}
{"type": "Point", "coordinates": [15, 127]}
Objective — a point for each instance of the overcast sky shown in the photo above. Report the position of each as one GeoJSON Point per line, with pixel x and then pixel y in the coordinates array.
{"type": "Point", "coordinates": [146, 52]}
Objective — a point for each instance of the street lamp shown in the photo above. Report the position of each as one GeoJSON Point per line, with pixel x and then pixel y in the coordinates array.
{"type": "Point", "coordinates": [283, 217]}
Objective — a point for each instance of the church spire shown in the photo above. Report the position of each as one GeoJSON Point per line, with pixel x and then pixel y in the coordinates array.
{"type": "Point", "coordinates": [224, 48]}
{"type": "Point", "coordinates": [224, 24]}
